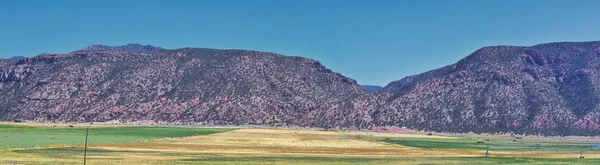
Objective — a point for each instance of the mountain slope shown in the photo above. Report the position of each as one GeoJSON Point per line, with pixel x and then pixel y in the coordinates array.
{"type": "Point", "coordinates": [548, 88]}
{"type": "Point", "coordinates": [182, 86]}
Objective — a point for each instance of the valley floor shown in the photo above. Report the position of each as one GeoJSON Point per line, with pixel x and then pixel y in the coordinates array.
{"type": "Point", "coordinates": [60, 144]}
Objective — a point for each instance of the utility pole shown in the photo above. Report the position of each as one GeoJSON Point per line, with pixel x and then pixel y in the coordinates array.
{"type": "Point", "coordinates": [487, 151]}
{"type": "Point", "coordinates": [85, 148]}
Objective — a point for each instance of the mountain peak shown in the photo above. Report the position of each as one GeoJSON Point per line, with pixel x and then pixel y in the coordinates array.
{"type": "Point", "coordinates": [128, 47]}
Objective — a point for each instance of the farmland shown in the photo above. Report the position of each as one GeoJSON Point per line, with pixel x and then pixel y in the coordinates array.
{"type": "Point", "coordinates": [60, 144]}
{"type": "Point", "coordinates": [30, 136]}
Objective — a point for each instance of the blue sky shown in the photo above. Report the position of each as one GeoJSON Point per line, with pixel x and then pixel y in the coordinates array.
{"type": "Point", "coordinates": [374, 42]}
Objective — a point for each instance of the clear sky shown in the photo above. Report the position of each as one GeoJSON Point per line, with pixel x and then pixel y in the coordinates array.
{"type": "Point", "coordinates": [374, 42]}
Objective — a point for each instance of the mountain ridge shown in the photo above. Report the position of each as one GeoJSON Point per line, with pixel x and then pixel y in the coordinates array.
{"type": "Point", "coordinates": [179, 86]}
{"type": "Point", "coordinates": [548, 89]}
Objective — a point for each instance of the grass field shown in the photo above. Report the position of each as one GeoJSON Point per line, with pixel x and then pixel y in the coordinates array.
{"type": "Point", "coordinates": [495, 144]}
{"type": "Point", "coordinates": [19, 136]}
{"type": "Point", "coordinates": [49, 144]}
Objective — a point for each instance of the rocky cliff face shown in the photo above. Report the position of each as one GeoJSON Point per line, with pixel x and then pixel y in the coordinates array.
{"type": "Point", "coordinates": [548, 88]}
{"type": "Point", "coordinates": [182, 86]}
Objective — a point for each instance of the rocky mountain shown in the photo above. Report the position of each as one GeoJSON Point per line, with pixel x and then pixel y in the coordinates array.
{"type": "Point", "coordinates": [551, 89]}
{"type": "Point", "coordinates": [182, 86]}
{"type": "Point", "coordinates": [372, 88]}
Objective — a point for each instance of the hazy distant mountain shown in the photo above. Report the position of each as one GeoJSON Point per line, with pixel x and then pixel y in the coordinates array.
{"type": "Point", "coordinates": [550, 88]}
{"type": "Point", "coordinates": [16, 58]}
{"type": "Point", "coordinates": [128, 47]}
{"type": "Point", "coordinates": [372, 88]}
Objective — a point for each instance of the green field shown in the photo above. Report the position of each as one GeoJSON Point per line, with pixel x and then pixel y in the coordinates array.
{"type": "Point", "coordinates": [15, 136]}
{"type": "Point", "coordinates": [495, 144]}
